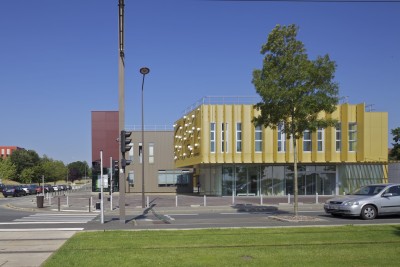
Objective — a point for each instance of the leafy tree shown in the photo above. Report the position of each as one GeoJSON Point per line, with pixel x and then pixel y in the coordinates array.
{"type": "Point", "coordinates": [7, 169]}
{"type": "Point", "coordinates": [395, 151]}
{"type": "Point", "coordinates": [77, 170]}
{"type": "Point", "coordinates": [23, 159]}
{"type": "Point", "coordinates": [53, 170]}
{"type": "Point", "coordinates": [294, 89]}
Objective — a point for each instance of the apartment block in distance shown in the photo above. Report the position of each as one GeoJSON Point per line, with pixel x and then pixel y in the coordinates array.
{"type": "Point", "coordinates": [6, 151]}
{"type": "Point", "coordinates": [230, 156]}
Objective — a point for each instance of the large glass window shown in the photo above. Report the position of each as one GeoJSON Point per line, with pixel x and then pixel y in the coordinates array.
{"type": "Point", "coordinates": [352, 136]}
{"type": "Point", "coordinates": [258, 139]}
{"type": "Point", "coordinates": [212, 137]}
{"type": "Point", "coordinates": [307, 142]}
{"type": "Point", "coordinates": [338, 137]}
{"type": "Point", "coordinates": [281, 138]}
{"type": "Point", "coordinates": [239, 137]}
{"type": "Point", "coordinates": [227, 181]}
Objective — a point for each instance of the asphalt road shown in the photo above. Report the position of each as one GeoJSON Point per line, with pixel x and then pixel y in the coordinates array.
{"type": "Point", "coordinates": [29, 235]}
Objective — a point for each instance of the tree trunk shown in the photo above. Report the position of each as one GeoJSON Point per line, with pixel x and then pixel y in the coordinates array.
{"type": "Point", "coordinates": [295, 189]}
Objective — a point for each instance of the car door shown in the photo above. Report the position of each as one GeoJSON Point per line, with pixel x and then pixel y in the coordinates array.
{"type": "Point", "coordinates": [390, 200]}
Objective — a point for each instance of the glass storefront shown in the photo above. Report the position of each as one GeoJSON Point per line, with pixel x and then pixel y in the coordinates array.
{"type": "Point", "coordinates": [278, 180]}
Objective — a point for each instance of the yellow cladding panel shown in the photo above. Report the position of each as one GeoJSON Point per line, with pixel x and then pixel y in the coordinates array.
{"type": "Point", "coordinates": [233, 137]}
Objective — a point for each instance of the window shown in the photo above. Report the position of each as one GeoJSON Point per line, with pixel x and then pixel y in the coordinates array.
{"type": "Point", "coordinates": [212, 137]}
{"type": "Point", "coordinates": [338, 137]}
{"type": "Point", "coordinates": [320, 139]}
{"type": "Point", "coordinates": [258, 139]}
{"type": "Point", "coordinates": [140, 153]}
{"type": "Point", "coordinates": [224, 137]}
{"type": "Point", "coordinates": [168, 178]}
{"type": "Point", "coordinates": [281, 138]}
{"type": "Point", "coordinates": [307, 144]}
{"type": "Point", "coordinates": [151, 153]}
{"type": "Point", "coordinates": [352, 136]}
{"type": "Point", "coordinates": [131, 153]}
{"type": "Point", "coordinates": [239, 137]}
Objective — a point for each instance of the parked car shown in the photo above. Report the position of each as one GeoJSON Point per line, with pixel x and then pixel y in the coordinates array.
{"type": "Point", "coordinates": [2, 186]}
{"type": "Point", "coordinates": [48, 188]}
{"type": "Point", "coordinates": [14, 191]}
{"type": "Point", "coordinates": [29, 190]}
{"type": "Point", "coordinates": [33, 188]}
{"type": "Point", "coordinates": [368, 202]}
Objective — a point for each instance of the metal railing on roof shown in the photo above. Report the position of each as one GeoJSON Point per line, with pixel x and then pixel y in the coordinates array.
{"type": "Point", "coordinates": [223, 100]}
{"type": "Point", "coordinates": [149, 128]}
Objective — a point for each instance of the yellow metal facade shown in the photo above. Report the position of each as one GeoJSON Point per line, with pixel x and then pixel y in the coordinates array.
{"type": "Point", "coordinates": [215, 126]}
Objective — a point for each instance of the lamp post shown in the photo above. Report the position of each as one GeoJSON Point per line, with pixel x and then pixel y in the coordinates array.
{"type": "Point", "coordinates": [143, 71]}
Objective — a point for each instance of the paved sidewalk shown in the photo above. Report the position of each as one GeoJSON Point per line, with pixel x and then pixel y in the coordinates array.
{"type": "Point", "coordinates": [86, 201]}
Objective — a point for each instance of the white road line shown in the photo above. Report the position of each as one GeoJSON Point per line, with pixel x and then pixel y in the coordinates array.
{"type": "Point", "coordinates": [41, 229]}
{"type": "Point", "coordinates": [194, 214]}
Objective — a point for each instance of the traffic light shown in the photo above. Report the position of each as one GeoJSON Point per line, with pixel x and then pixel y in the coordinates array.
{"type": "Point", "coordinates": [125, 141]}
{"type": "Point", "coordinates": [125, 162]}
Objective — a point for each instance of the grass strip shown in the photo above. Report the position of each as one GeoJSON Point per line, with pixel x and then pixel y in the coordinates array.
{"type": "Point", "coordinates": [311, 246]}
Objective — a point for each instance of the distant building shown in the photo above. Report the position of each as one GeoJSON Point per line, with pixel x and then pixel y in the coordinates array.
{"type": "Point", "coordinates": [231, 156]}
{"type": "Point", "coordinates": [6, 151]}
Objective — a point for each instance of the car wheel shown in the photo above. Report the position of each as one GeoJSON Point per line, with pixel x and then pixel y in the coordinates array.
{"type": "Point", "coordinates": [368, 212]}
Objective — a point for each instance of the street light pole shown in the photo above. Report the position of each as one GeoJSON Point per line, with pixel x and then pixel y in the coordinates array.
{"type": "Point", "coordinates": [143, 71]}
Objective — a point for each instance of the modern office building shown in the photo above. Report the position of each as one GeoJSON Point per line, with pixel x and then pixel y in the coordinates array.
{"type": "Point", "coordinates": [160, 174]}
{"type": "Point", "coordinates": [229, 155]}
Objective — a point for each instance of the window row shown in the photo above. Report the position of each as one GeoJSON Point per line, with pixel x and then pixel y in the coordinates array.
{"type": "Point", "coordinates": [281, 142]}
{"type": "Point", "coordinates": [150, 155]}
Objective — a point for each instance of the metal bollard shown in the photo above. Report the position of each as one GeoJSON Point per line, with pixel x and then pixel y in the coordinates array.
{"type": "Point", "coordinates": [59, 204]}
{"type": "Point", "coordinates": [176, 201]}
{"type": "Point", "coordinates": [288, 198]}
{"type": "Point", "coordinates": [316, 198]}
{"type": "Point", "coordinates": [205, 201]}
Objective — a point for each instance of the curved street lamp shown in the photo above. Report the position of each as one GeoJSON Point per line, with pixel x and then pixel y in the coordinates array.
{"type": "Point", "coordinates": [143, 71]}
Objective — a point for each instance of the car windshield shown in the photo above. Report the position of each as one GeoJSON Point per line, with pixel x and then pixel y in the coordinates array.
{"type": "Point", "coordinates": [369, 190]}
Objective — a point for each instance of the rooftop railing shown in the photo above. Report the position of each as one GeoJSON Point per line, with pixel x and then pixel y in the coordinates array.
{"type": "Point", "coordinates": [223, 100]}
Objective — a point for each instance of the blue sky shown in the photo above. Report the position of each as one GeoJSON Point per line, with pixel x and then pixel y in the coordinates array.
{"type": "Point", "coordinates": [59, 60]}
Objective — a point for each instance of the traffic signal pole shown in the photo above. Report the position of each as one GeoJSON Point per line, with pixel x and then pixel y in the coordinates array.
{"type": "Point", "coordinates": [121, 103]}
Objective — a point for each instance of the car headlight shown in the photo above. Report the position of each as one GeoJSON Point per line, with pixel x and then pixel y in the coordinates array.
{"type": "Point", "coordinates": [351, 203]}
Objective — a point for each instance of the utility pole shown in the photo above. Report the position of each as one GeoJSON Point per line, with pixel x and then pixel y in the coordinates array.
{"type": "Point", "coordinates": [121, 102]}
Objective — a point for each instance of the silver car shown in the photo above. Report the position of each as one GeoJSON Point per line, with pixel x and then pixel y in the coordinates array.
{"type": "Point", "coordinates": [368, 202]}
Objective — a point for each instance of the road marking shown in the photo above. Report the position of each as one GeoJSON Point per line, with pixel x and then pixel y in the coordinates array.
{"type": "Point", "coordinates": [193, 214]}
{"type": "Point", "coordinates": [51, 218]}
{"type": "Point", "coordinates": [41, 229]}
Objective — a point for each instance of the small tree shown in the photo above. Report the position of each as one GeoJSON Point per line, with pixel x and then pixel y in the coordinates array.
{"type": "Point", "coordinates": [294, 89]}
{"type": "Point", "coordinates": [395, 151]}
{"type": "Point", "coordinates": [7, 169]}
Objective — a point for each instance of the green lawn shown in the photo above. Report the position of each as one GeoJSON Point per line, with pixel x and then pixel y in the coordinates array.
{"type": "Point", "coordinates": [311, 246]}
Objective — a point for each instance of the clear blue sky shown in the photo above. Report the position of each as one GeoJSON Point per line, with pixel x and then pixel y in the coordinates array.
{"type": "Point", "coordinates": [59, 60]}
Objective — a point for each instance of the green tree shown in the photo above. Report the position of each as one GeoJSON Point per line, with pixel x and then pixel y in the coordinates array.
{"type": "Point", "coordinates": [77, 170]}
{"type": "Point", "coordinates": [294, 89]}
{"type": "Point", "coordinates": [7, 169]}
{"type": "Point", "coordinates": [23, 159]}
{"type": "Point", "coordinates": [395, 151]}
{"type": "Point", "coordinates": [53, 170]}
